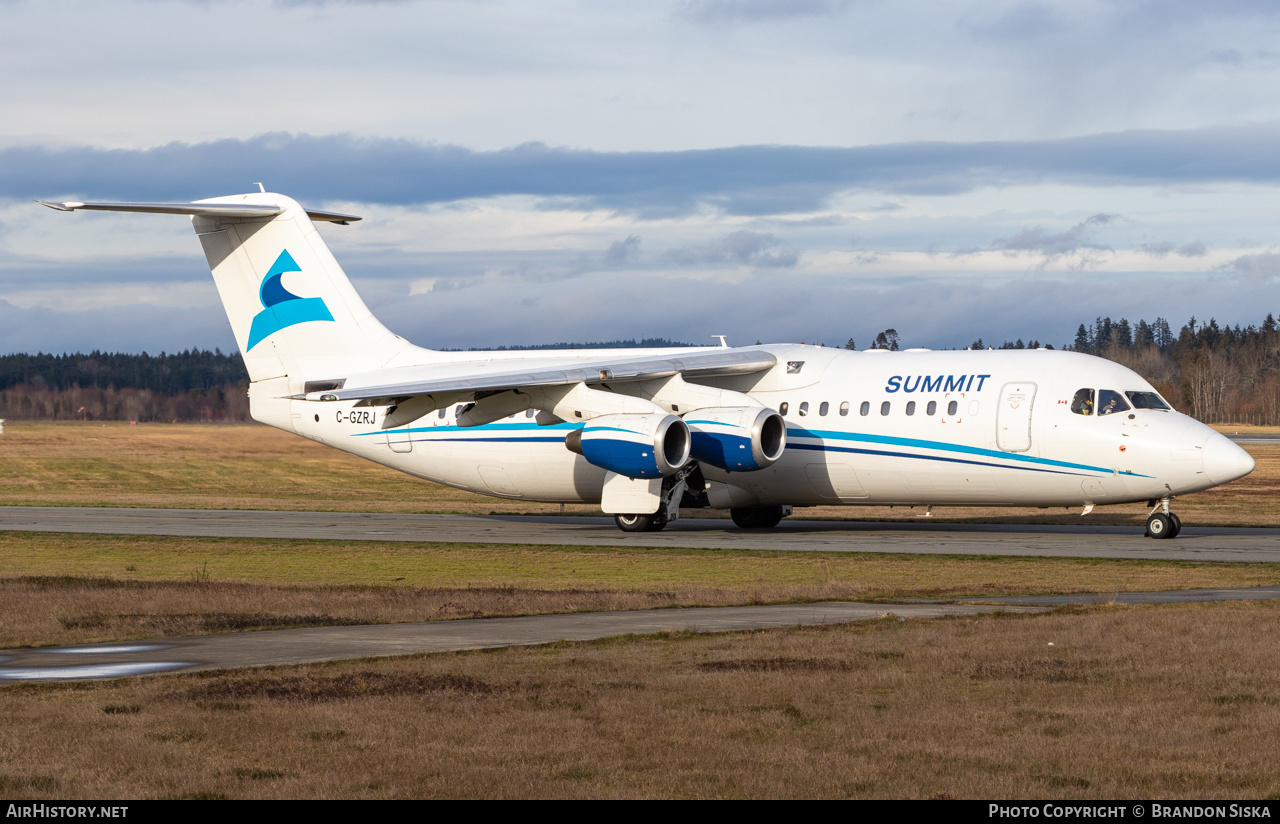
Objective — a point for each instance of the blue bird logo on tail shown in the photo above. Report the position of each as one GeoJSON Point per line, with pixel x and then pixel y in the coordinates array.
{"type": "Point", "coordinates": [282, 308]}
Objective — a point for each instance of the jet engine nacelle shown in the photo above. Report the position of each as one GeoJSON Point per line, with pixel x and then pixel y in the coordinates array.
{"type": "Point", "coordinates": [737, 438]}
{"type": "Point", "coordinates": [638, 446]}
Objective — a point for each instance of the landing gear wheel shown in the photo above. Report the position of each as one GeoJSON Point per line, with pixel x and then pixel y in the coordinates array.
{"type": "Point", "coordinates": [756, 517]}
{"type": "Point", "coordinates": [1177, 524]}
{"type": "Point", "coordinates": [768, 517]}
{"type": "Point", "coordinates": [639, 523]}
{"type": "Point", "coordinates": [634, 523]}
{"type": "Point", "coordinates": [1160, 525]}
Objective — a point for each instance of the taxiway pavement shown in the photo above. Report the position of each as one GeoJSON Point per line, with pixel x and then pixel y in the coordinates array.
{"type": "Point", "coordinates": [317, 644]}
{"type": "Point", "coordinates": [1227, 544]}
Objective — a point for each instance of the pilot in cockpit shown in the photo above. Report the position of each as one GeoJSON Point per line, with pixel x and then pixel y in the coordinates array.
{"type": "Point", "coordinates": [1082, 404]}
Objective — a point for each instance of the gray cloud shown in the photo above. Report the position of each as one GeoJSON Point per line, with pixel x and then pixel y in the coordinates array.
{"type": "Point", "coordinates": [1261, 267]}
{"type": "Point", "coordinates": [747, 180]}
{"type": "Point", "coordinates": [1075, 241]}
{"type": "Point", "coordinates": [1020, 22]}
{"type": "Point", "coordinates": [1163, 248]}
{"type": "Point", "coordinates": [757, 11]}
{"type": "Point", "coordinates": [490, 310]}
{"type": "Point", "coordinates": [744, 248]}
{"type": "Point", "coordinates": [141, 328]}
{"type": "Point", "coordinates": [622, 252]}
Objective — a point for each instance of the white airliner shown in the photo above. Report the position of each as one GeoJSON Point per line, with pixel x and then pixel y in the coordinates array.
{"type": "Point", "coordinates": [755, 430]}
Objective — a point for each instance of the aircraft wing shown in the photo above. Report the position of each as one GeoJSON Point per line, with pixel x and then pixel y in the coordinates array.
{"type": "Point", "coordinates": [595, 370]}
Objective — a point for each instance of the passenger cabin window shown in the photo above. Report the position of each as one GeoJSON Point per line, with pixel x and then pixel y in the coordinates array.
{"type": "Point", "coordinates": [1110, 402]}
{"type": "Point", "coordinates": [884, 408]}
{"type": "Point", "coordinates": [822, 410]}
{"type": "Point", "coordinates": [1147, 400]}
{"type": "Point", "coordinates": [1082, 403]}
{"type": "Point", "coordinates": [443, 412]}
{"type": "Point", "coordinates": [529, 413]}
{"type": "Point", "coordinates": [844, 408]}
{"type": "Point", "coordinates": [911, 407]}
{"type": "Point", "coordinates": [783, 407]}
{"type": "Point", "coordinates": [932, 408]}
{"type": "Point", "coordinates": [804, 409]}
{"type": "Point", "coordinates": [952, 407]}
{"type": "Point", "coordinates": [865, 409]}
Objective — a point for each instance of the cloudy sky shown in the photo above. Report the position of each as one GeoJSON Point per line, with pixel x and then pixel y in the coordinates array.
{"type": "Point", "coordinates": [530, 172]}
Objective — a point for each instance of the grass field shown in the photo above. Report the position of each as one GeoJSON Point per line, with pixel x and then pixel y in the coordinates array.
{"type": "Point", "coordinates": [1176, 702]}
{"type": "Point", "coordinates": [247, 466]}
{"type": "Point", "coordinates": [1171, 702]}
{"type": "Point", "coordinates": [67, 589]}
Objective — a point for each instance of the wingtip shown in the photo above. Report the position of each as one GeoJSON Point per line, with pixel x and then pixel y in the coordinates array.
{"type": "Point", "coordinates": [61, 207]}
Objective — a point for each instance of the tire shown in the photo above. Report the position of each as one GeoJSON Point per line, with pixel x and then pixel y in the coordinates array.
{"type": "Point", "coordinates": [1177, 525]}
{"type": "Point", "coordinates": [635, 523]}
{"type": "Point", "coordinates": [768, 517]}
{"type": "Point", "coordinates": [756, 517]}
{"type": "Point", "coordinates": [1160, 526]}
{"type": "Point", "coordinates": [656, 524]}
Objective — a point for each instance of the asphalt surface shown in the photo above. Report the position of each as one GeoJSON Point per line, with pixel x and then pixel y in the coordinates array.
{"type": "Point", "coordinates": [1240, 545]}
{"type": "Point", "coordinates": [1271, 439]}
{"type": "Point", "coordinates": [316, 644]}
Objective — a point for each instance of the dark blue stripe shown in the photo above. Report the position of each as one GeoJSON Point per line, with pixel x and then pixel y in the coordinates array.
{"type": "Point", "coordinates": [822, 448]}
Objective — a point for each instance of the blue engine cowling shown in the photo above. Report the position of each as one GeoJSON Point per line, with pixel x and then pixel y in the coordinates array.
{"type": "Point", "coordinates": [737, 438]}
{"type": "Point", "coordinates": [638, 446]}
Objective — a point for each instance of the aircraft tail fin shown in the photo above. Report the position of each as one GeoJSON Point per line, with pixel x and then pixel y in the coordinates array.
{"type": "Point", "coordinates": [294, 313]}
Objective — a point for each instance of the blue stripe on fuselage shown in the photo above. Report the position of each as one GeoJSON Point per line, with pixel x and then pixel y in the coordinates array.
{"type": "Point", "coordinates": [1035, 464]}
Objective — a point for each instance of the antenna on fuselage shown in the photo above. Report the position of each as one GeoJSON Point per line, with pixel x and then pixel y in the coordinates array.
{"type": "Point", "coordinates": [723, 344]}
{"type": "Point", "coordinates": [261, 188]}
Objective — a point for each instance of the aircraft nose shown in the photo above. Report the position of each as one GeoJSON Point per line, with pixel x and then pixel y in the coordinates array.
{"type": "Point", "coordinates": [1224, 461]}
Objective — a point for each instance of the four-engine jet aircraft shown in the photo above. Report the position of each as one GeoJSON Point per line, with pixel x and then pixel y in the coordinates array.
{"type": "Point", "coordinates": [755, 430]}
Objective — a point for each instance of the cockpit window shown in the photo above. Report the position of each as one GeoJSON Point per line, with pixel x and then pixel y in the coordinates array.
{"type": "Point", "coordinates": [1110, 401]}
{"type": "Point", "coordinates": [1082, 404]}
{"type": "Point", "coordinates": [1147, 400]}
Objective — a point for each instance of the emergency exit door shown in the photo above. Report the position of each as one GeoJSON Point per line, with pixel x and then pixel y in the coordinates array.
{"type": "Point", "coordinates": [1013, 417]}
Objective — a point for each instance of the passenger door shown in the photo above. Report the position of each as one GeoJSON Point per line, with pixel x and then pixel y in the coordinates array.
{"type": "Point", "coordinates": [1013, 416]}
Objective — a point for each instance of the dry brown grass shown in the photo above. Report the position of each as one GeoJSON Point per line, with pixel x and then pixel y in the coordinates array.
{"type": "Point", "coordinates": [1169, 702]}
{"type": "Point", "coordinates": [38, 611]}
{"type": "Point", "coordinates": [248, 466]}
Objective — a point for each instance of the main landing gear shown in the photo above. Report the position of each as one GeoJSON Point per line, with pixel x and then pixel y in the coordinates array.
{"type": "Point", "coordinates": [758, 517]}
{"type": "Point", "coordinates": [673, 492]}
{"type": "Point", "coordinates": [641, 523]}
{"type": "Point", "coordinates": [1162, 523]}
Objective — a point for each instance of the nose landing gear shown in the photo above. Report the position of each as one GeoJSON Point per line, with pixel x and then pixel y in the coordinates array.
{"type": "Point", "coordinates": [1162, 523]}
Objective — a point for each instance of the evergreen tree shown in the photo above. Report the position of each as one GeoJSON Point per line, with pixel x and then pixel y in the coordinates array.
{"type": "Point", "coordinates": [1123, 333]}
{"type": "Point", "coordinates": [1083, 343]}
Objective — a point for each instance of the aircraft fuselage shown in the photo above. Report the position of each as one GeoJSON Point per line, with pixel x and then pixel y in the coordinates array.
{"type": "Point", "coordinates": [900, 428]}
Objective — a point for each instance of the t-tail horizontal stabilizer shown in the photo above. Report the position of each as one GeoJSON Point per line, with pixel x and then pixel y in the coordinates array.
{"type": "Point", "coordinates": [243, 210]}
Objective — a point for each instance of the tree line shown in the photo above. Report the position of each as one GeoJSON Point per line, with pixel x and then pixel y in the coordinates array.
{"type": "Point", "coordinates": [191, 385]}
{"type": "Point", "coordinates": [1217, 374]}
